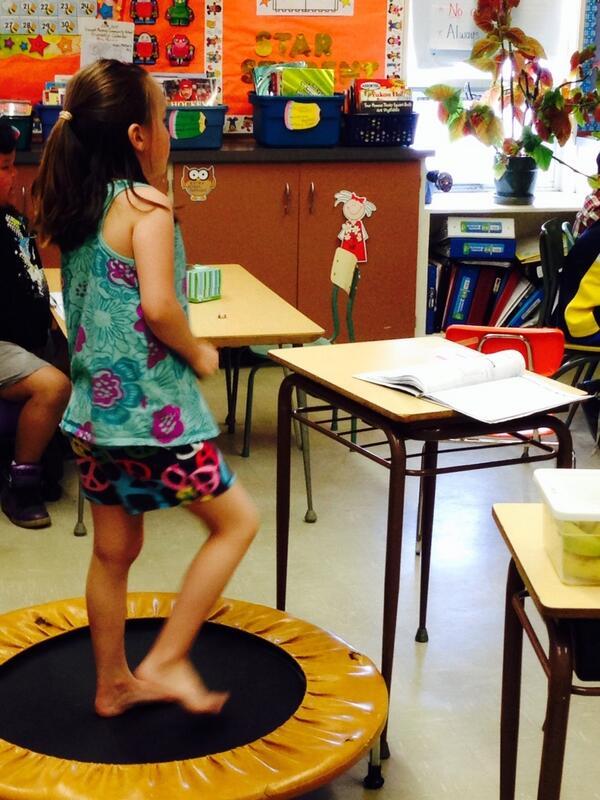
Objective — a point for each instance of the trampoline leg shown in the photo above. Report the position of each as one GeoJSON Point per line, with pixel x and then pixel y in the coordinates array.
{"type": "Point", "coordinates": [374, 779]}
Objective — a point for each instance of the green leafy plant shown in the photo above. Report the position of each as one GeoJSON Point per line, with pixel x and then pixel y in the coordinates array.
{"type": "Point", "coordinates": [523, 112]}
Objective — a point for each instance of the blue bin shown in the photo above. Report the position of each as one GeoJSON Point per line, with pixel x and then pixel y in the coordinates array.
{"type": "Point", "coordinates": [272, 119]}
{"type": "Point", "coordinates": [48, 116]}
{"type": "Point", "coordinates": [196, 127]}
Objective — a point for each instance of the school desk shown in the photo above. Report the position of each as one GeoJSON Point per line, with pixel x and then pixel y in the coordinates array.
{"type": "Point", "coordinates": [248, 312]}
{"type": "Point", "coordinates": [326, 373]}
{"type": "Point", "coordinates": [562, 607]}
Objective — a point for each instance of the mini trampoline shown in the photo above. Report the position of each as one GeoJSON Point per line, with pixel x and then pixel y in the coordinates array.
{"type": "Point", "coordinates": [304, 707]}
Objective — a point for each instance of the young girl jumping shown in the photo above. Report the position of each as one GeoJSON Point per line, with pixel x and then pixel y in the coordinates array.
{"type": "Point", "coordinates": [138, 423]}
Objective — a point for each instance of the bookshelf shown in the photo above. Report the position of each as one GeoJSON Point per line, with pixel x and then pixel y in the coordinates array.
{"type": "Point", "coordinates": [528, 220]}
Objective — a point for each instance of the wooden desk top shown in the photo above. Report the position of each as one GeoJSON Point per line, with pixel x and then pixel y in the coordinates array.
{"type": "Point", "coordinates": [521, 527]}
{"type": "Point", "coordinates": [247, 313]}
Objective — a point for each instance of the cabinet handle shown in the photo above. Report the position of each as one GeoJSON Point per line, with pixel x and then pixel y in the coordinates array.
{"type": "Point", "coordinates": [287, 199]}
{"type": "Point", "coordinates": [311, 198]}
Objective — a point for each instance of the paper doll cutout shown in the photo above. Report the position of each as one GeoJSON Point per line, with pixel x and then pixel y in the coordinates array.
{"type": "Point", "coordinates": [353, 234]}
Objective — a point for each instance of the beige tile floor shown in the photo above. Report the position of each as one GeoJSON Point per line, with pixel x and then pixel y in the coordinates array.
{"type": "Point", "coordinates": [444, 730]}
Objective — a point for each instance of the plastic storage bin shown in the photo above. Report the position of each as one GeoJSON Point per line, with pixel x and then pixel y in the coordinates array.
{"type": "Point", "coordinates": [196, 127]}
{"type": "Point", "coordinates": [48, 116]}
{"type": "Point", "coordinates": [571, 524]}
{"type": "Point", "coordinates": [297, 121]}
{"type": "Point", "coordinates": [372, 130]}
{"type": "Point", "coordinates": [20, 114]}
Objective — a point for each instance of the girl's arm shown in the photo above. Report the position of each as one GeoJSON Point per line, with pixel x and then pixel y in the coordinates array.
{"type": "Point", "coordinates": [152, 242]}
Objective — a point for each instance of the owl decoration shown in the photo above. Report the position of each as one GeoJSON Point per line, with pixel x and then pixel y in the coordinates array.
{"type": "Point", "coordinates": [198, 182]}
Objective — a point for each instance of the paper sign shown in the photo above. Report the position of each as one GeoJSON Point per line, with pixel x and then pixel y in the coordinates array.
{"type": "Point", "coordinates": [105, 39]}
{"type": "Point", "coordinates": [299, 8]}
{"type": "Point", "coordinates": [301, 116]}
{"type": "Point", "coordinates": [452, 25]}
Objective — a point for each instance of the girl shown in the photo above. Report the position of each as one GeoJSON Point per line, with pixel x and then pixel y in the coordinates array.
{"type": "Point", "coordinates": [138, 424]}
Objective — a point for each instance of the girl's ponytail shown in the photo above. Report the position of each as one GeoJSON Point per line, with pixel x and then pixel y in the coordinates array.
{"type": "Point", "coordinates": [89, 148]}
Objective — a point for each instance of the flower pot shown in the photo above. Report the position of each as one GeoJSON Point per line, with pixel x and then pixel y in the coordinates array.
{"type": "Point", "coordinates": [515, 187]}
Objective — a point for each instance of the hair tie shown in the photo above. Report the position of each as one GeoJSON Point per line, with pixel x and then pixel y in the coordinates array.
{"type": "Point", "coordinates": [66, 115]}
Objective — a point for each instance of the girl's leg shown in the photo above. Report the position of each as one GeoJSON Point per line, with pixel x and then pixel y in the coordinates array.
{"type": "Point", "coordinates": [118, 539]}
{"type": "Point", "coordinates": [232, 522]}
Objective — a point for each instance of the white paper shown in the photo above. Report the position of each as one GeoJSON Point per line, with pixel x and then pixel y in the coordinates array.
{"type": "Point", "coordinates": [103, 38]}
{"type": "Point", "coordinates": [56, 302]}
{"type": "Point", "coordinates": [306, 8]}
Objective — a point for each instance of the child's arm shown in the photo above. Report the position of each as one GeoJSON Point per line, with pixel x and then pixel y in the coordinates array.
{"type": "Point", "coordinates": [152, 242]}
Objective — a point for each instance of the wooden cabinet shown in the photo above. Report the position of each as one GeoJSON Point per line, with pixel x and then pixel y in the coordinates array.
{"type": "Point", "coordinates": [22, 199]}
{"type": "Point", "coordinates": [280, 222]}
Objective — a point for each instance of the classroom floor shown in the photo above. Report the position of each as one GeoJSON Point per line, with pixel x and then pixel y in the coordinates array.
{"type": "Point", "coordinates": [444, 717]}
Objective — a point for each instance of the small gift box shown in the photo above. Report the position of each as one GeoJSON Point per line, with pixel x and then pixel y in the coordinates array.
{"type": "Point", "coordinates": [203, 283]}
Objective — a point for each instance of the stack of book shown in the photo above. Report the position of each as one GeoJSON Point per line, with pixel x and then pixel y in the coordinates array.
{"type": "Point", "coordinates": [477, 281]}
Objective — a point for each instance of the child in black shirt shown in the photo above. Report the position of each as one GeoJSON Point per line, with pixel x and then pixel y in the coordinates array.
{"type": "Point", "coordinates": [26, 378]}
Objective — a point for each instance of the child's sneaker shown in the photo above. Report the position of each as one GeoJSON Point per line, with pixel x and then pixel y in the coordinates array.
{"type": "Point", "coordinates": [22, 500]}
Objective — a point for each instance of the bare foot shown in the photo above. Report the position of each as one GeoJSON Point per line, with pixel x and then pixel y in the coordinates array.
{"type": "Point", "coordinates": [181, 681]}
{"type": "Point", "coordinates": [118, 698]}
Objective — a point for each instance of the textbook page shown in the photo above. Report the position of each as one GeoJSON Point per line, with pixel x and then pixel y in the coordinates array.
{"type": "Point", "coordinates": [506, 399]}
{"type": "Point", "coordinates": [448, 370]}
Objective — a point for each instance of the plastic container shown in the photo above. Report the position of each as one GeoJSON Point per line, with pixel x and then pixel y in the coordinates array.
{"type": "Point", "coordinates": [297, 121]}
{"type": "Point", "coordinates": [48, 116]}
{"type": "Point", "coordinates": [571, 522]}
{"type": "Point", "coordinates": [379, 130]}
{"type": "Point", "coordinates": [20, 114]}
{"type": "Point", "coordinates": [196, 127]}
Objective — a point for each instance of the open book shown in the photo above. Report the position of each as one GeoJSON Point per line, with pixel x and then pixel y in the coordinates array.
{"type": "Point", "coordinates": [490, 388]}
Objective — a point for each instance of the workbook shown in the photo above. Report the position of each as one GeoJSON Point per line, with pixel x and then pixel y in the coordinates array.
{"type": "Point", "coordinates": [491, 387]}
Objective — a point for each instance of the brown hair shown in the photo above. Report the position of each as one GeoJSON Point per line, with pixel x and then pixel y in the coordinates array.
{"type": "Point", "coordinates": [88, 148]}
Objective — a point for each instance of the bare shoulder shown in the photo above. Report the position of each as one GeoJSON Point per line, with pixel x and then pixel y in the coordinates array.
{"type": "Point", "coordinates": [143, 200]}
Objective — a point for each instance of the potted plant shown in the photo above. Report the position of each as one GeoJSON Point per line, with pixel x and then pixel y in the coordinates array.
{"type": "Point", "coordinates": [523, 112]}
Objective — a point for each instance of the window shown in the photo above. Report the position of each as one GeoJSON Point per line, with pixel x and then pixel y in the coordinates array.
{"type": "Point", "coordinates": [556, 23]}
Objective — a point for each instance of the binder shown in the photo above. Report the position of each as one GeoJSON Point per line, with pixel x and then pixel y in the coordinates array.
{"type": "Point", "coordinates": [467, 247]}
{"type": "Point", "coordinates": [481, 227]}
{"type": "Point", "coordinates": [464, 290]}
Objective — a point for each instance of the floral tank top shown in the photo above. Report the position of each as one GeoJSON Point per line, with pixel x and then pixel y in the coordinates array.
{"type": "Point", "coordinates": [128, 388]}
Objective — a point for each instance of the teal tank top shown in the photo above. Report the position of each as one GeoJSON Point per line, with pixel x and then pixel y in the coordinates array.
{"type": "Point", "coordinates": [128, 388]}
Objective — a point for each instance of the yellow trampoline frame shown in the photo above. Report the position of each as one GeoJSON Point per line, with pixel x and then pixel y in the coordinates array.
{"type": "Point", "coordinates": [341, 715]}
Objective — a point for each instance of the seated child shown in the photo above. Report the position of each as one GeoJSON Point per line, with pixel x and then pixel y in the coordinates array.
{"type": "Point", "coordinates": [590, 212]}
{"type": "Point", "coordinates": [26, 377]}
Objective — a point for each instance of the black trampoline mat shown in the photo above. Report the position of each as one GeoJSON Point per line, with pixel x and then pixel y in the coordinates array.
{"type": "Point", "coordinates": [47, 698]}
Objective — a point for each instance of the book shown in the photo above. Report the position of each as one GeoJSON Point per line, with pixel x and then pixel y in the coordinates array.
{"type": "Point", "coordinates": [525, 309]}
{"type": "Point", "coordinates": [432, 284]}
{"type": "Point", "coordinates": [481, 227]}
{"type": "Point", "coordinates": [467, 247]}
{"type": "Point", "coordinates": [482, 295]}
{"type": "Point", "coordinates": [521, 291]}
{"type": "Point", "coordinates": [493, 387]}
{"type": "Point", "coordinates": [464, 290]}
{"type": "Point", "coordinates": [505, 291]}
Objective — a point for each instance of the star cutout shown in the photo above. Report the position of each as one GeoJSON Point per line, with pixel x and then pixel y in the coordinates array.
{"type": "Point", "coordinates": [23, 46]}
{"type": "Point", "coordinates": [9, 43]}
{"type": "Point", "coordinates": [345, 2]}
{"type": "Point", "coordinates": [65, 45]}
{"type": "Point", "coordinates": [264, 2]}
{"type": "Point", "coordinates": [38, 45]}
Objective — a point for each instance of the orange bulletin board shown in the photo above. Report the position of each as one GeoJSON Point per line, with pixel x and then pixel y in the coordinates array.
{"type": "Point", "coordinates": [230, 37]}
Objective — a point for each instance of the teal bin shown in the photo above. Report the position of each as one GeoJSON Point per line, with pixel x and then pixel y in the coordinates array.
{"type": "Point", "coordinates": [297, 121]}
{"type": "Point", "coordinates": [196, 127]}
{"type": "Point", "coordinates": [20, 114]}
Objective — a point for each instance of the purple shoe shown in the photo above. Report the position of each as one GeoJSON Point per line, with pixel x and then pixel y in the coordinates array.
{"type": "Point", "coordinates": [22, 500]}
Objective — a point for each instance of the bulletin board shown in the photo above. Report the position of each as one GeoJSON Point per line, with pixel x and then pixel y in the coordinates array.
{"type": "Point", "coordinates": [591, 35]}
{"type": "Point", "coordinates": [225, 39]}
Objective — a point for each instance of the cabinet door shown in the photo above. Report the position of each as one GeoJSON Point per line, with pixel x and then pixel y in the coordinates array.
{"type": "Point", "coordinates": [249, 217]}
{"type": "Point", "coordinates": [385, 302]}
{"type": "Point", "coordinates": [50, 255]}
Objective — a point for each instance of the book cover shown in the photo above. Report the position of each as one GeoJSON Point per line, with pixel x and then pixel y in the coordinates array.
{"type": "Point", "coordinates": [452, 270]}
{"type": "Point", "coordinates": [525, 309]}
{"type": "Point", "coordinates": [443, 285]}
{"type": "Point", "coordinates": [482, 227]}
{"type": "Point", "coordinates": [482, 296]}
{"type": "Point", "coordinates": [521, 291]}
{"type": "Point", "coordinates": [432, 283]}
{"type": "Point", "coordinates": [464, 289]}
{"type": "Point", "coordinates": [466, 247]}
{"type": "Point", "coordinates": [505, 291]}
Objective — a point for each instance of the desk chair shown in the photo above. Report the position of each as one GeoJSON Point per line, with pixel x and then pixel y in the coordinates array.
{"type": "Point", "coordinates": [345, 277]}
{"type": "Point", "coordinates": [9, 417]}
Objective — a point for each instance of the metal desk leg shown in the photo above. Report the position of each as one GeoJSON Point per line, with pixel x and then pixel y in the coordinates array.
{"type": "Point", "coordinates": [284, 441]}
{"type": "Point", "coordinates": [511, 687]}
{"type": "Point", "coordinates": [311, 514]}
{"type": "Point", "coordinates": [424, 534]}
{"type": "Point", "coordinates": [232, 377]}
{"type": "Point", "coordinates": [392, 563]}
{"type": "Point", "coordinates": [557, 711]}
